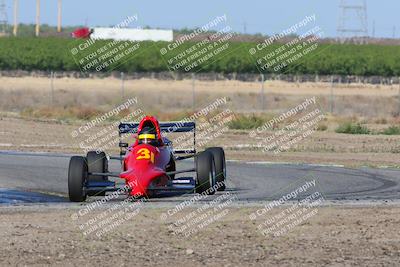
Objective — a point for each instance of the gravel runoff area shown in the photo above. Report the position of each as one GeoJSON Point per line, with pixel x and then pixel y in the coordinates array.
{"type": "Point", "coordinates": [343, 235]}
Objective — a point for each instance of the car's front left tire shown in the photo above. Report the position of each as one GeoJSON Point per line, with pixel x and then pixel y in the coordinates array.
{"type": "Point", "coordinates": [77, 176]}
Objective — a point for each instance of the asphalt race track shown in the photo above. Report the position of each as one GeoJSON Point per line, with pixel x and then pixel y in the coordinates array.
{"type": "Point", "coordinates": [25, 176]}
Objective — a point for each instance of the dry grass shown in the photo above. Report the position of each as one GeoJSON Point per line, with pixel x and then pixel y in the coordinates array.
{"type": "Point", "coordinates": [175, 97]}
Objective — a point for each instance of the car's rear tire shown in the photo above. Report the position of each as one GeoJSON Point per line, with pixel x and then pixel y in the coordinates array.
{"type": "Point", "coordinates": [220, 166]}
{"type": "Point", "coordinates": [205, 172]}
{"type": "Point", "coordinates": [171, 167]}
{"type": "Point", "coordinates": [97, 162]}
{"type": "Point", "coordinates": [77, 176]}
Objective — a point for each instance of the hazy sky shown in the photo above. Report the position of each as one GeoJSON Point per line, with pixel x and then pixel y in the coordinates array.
{"type": "Point", "coordinates": [264, 17]}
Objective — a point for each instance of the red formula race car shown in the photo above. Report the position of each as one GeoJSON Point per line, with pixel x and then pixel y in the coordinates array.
{"type": "Point", "coordinates": [148, 166]}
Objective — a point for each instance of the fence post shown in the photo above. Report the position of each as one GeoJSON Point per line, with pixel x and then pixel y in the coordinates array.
{"type": "Point", "coordinates": [194, 92]}
{"type": "Point", "coordinates": [52, 88]}
{"type": "Point", "coordinates": [122, 86]}
{"type": "Point", "coordinates": [331, 102]}
{"type": "Point", "coordinates": [262, 92]}
{"type": "Point", "coordinates": [399, 98]}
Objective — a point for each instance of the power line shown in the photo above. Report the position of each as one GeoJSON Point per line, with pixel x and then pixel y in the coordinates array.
{"type": "Point", "coordinates": [373, 29]}
{"type": "Point", "coordinates": [353, 22]}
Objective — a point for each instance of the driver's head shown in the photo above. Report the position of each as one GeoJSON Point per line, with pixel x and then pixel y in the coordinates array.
{"type": "Point", "coordinates": [147, 136]}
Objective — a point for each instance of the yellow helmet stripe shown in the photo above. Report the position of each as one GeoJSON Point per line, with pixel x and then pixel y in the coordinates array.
{"type": "Point", "coordinates": [147, 136]}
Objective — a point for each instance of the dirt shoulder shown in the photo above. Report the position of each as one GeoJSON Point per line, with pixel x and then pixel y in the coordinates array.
{"type": "Point", "coordinates": [340, 235]}
{"type": "Point", "coordinates": [319, 148]}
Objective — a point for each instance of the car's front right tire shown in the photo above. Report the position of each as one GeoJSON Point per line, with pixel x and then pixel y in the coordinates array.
{"type": "Point", "coordinates": [205, 172]}
{"type": "Point", "coordinates": [220, 166]}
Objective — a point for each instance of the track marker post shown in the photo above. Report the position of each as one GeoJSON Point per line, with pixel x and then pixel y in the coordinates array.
{"type": "Point", "coordinates": [398, 96]}
{"type": "Point", "coordinates": [331, 100]}
{"type": "Point", "coordinates": [194, 92]}
{"type": "Point", "coordinates": [52, 88]}
{"type": "Point", "coordinates": [122, 86]}
{"type": "Point", "coordinates": [262, 93]}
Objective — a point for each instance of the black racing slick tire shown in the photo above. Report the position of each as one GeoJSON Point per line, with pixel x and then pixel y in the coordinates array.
{"type": "Point", "coordinates": [205, 173]}
{"type": "Point", "coordinates": [97, 162]}
{"type": "Point", "coordinates": [77, 175]}
{"type": "Point", "coordinates": [220, 166]}
{"type": "Point", "coordinates": [171, 167]}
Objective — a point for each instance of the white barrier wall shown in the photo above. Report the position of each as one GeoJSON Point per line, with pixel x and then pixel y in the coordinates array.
{"type": "Point", "coordinates": [132, 34]}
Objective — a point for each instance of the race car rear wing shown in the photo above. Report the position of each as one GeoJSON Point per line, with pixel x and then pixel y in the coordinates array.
{"type": "Point", "coordinates": [165, 127]}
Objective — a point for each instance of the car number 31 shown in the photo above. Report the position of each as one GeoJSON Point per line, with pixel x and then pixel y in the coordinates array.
{"type": "Point", "coordinates": [144, 153]}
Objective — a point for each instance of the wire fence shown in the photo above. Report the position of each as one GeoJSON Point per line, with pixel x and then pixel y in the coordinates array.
{"type": "Point", "coordinates": [339, 96]}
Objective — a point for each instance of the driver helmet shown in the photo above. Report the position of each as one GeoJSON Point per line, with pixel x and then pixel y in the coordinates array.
{"type": "Point", "coordinates": [147, 136]}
